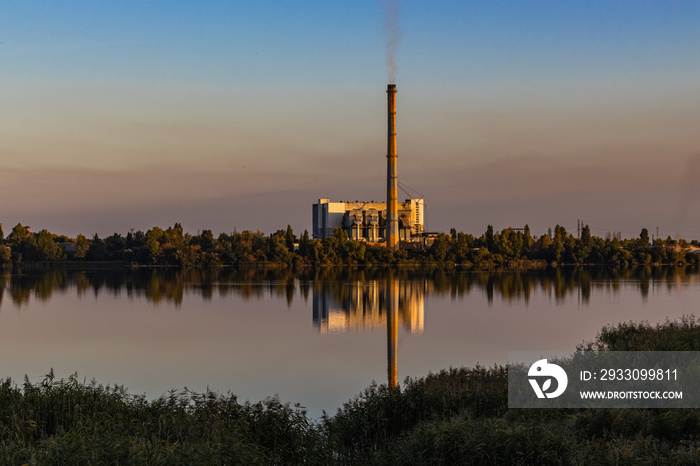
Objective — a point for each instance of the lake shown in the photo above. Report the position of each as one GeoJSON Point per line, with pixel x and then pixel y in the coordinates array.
{"type": "Point", "coordinates": [316, 337]}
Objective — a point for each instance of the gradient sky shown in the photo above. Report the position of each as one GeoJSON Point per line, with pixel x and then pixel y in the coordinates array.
{"type": "Point", "coordinates": [240, 115]}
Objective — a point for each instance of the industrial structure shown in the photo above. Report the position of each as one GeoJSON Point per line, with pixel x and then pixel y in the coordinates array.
{"type": "Point", "coordinates": [392, 200]}
{"type": "Point", "coordinates": [393, 224]}
{"type": "Point", "coordinates": [367, 221]}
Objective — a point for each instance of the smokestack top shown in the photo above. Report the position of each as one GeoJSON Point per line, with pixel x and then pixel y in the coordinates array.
{"type": "Point", "coordinates": [391, 87]}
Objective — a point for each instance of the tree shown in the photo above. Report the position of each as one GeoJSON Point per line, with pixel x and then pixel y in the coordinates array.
{"type": "Point", "coordinates": [46, 247]}
{"type": "Point", "coordinates": [97, 250]}
{"type": "Point", "coordinates": [440, 248]}
{"type": "Point", "coordinates": [278, 251]}
{"type": "Point", "coordinates": [488, 237]}
{"type": "Point", "coordinates": [586, 236]}
{"type": "Point", "coordinates": [207, 241]}
{"type": "Point", "coordinates": [644, 238]}
{"type": "Point", "coordinates": [354, 252]}
{"type": "Point", "coordinates": [172, 245]}
{"type": "Point", "coordinates": [556, 250]}
{"type": "Point", "coordinates": [22, 243]}
{"type": "Point", "coordinates": [81, 246]}
{"type": "Point", "coordinates": [19, 233]}
{"type": "Point", "coordinates": [5, 255]}
{"type": "Point", "coordinates": [509, 244]}
{"type": "Point", "coordinates": [304, 244]}
{"type": "Point", "coordinates": [528, 241]}
{"type": "Point", "coordinates": [462, 247]}
{"type": "Point", "coordinates": [188, 255]}
{"type": "Point", "coordinates": [289, 237]}
{"type": "Point", "coordinates": [340, 234]}
{"type": "Point", "coordinates": [560, 233]}
{"type": "Point", "coordinates": [115, 245]}
{"type": "Point", "coordinates": [153, 244]}
{"type": "Point", "coordinates": [542, 246]}
{"type": "Point", "coordinates": [175, 236]}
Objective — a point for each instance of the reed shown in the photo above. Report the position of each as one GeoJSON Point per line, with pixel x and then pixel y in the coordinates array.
{"type": "Point", "coordinates": [69, 422]}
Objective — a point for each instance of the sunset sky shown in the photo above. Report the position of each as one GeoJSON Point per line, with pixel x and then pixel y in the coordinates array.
{"type": "Point", "coordinates": [240, 115]}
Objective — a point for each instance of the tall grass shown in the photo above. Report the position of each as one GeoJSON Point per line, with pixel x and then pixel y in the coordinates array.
{"type": "Point", "coordinates": [69, 422]}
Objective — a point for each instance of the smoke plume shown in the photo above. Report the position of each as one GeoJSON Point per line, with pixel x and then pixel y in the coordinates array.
{"type": "Point", "coordinates": [393, 32]}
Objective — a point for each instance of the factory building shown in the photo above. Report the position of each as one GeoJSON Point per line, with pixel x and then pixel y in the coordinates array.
{"type": "Point", "coordinates": [395, 225]}
{"type": "Point", "coordinates": [366, 221]}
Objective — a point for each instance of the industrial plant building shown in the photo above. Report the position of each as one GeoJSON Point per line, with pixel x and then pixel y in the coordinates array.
{"type": "Point", "coordinates": [367, 221]}
{"type": "Point", "coordinates": [396, 225]}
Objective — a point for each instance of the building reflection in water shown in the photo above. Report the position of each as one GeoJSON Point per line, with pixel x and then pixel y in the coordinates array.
{"type": "Point", "coordinates": [363, 305]}
{"type": "Point", "coordinates": [372, 304]}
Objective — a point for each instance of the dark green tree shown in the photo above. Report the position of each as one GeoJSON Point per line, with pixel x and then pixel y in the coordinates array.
{"type": "Point", "coordinates": [304, 244]}
{"type": "Point", "coordinates": [528, 241]}
{"type": "Point", "coordinates": [207, 241]}
{"type": "Point", "coordinates": [97, 250]}
{"type": "Point", "coordinates": [644, 238]}
{"type": "Point", "coordinates": [489, 237]}
{"type": "Point", "coordinates": [463, 247]}
{"type": "Point", "coordinates": [586, 236]}
{"type": "Point", "coordinates": [5, 255]}
{"type": "Point", "coordinates": [440, 248]}
{"type": "Point", "coordinates": [289, 237]}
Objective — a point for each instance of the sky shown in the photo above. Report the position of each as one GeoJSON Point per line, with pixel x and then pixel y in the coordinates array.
{"type": "Point", "coordinates": [240, 115]}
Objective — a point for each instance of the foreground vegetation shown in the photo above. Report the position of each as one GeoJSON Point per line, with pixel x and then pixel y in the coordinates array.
{"type": "Point", "coordinates": [457, 416]}
{"type": "Point", "coordinates": [174, 247]}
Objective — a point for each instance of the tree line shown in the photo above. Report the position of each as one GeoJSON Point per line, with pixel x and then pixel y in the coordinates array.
{"type": "Point", "coordinates": [174, 247]}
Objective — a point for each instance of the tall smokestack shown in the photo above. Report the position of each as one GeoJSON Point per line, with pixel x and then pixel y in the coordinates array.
{"type": "Point", "coordinates": [392, 202]}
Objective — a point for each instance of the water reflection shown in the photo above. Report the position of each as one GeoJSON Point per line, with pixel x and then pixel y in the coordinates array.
{"type": "Point", "coordinates": [392, 328]}
{"type": "Point", "coordinates": [370, 305]}
{"type": "Point", "coordinates": [363, 305]}
{"type": "Point", "coordinates": [249, 331]}
{"type": "Point", "coordinates": [343, 298]}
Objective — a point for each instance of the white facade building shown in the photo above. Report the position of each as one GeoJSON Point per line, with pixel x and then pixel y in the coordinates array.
{"type": "Point", "coordinates": [366, 221]}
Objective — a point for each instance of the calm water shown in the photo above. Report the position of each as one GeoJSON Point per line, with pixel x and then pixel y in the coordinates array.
{"type": "Point", "coordinates": [315, 338]}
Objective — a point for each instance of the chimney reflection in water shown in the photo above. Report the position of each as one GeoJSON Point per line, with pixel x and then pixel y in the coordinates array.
{"type": "Point", "coordinates": [392, 327]}
{"type": "Point", "coordinates": [366, 305]}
